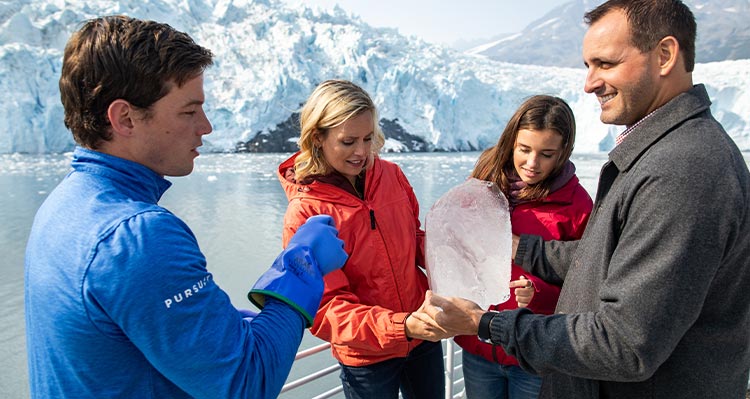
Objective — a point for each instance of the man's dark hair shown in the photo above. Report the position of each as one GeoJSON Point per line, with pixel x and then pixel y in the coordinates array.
{"type": "Point", "coordinates": [652, 20]}
{"type": "Point", "coordinates": [118, 57]}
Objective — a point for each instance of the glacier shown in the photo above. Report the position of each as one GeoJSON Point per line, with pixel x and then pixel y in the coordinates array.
{"type": "Point", "coordinates": [270, 56]}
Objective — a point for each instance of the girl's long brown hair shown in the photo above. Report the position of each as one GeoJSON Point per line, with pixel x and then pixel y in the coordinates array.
{"type": "Point", "coordinates": [538, 112]}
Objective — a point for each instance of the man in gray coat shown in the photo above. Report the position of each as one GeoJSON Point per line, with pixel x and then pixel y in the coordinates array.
{"type": "Point", "coordinates": [655, 298]}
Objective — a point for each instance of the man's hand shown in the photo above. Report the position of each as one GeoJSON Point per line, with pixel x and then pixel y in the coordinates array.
{"type": "Point", "coordinates": [457, 316]}
{"type": "Point", "coordinates": [296, 276]}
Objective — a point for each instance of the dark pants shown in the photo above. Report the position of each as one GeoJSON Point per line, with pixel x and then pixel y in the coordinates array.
{"type": "Point", "coordinates": [487, 380]}
{"type": "Point", "coordinates": [420, 375]}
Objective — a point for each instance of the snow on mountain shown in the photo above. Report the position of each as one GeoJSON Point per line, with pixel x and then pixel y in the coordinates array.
{"type": "Point", "coordinates": [722, 29]}
{"type": "Point", "coordinates": [269, 57]}
{"type": "Point", "coordinates": [552, 40]}
{"type": "Point", "coordinates": [555, 39]}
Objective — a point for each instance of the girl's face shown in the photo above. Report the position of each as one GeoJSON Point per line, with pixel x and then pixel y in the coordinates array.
{"type": "Point", "coordinates": [347, 146]}
{"type": "Point", "coordinates": [536, 153]}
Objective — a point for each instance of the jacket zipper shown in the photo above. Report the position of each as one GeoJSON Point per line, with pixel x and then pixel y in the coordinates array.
{"type": "Point", "coordinates": [372, 219]}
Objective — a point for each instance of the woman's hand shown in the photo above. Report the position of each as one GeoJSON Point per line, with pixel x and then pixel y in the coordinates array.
{"type": "Point", "coordinates": [456, 316]}
{"type": "Point", "coordinates": [419, 325]}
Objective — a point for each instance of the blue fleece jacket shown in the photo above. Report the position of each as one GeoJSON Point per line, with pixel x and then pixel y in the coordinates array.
{"type": "Point", "coordinates": [119, 303]}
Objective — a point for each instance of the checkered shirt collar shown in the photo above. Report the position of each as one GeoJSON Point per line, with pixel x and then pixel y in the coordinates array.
{"type": "Point", "coordinates": [620, 137]}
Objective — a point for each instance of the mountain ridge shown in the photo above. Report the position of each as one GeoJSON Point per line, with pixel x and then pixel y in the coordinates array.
{"type": "Point", "coordinates": [268, 58]}
{"type": "Point", "coordinates": [555, 39]}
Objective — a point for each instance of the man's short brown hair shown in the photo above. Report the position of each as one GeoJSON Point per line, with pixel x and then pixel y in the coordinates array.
{"type": "Point", "coordinates": [118, 57]}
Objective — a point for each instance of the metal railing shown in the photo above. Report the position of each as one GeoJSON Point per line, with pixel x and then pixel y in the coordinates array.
{"type": "Point", "coordinates": [454, 382]}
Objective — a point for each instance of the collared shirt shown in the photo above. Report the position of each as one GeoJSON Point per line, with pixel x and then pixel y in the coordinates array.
{"type": "Point", "coordinates": [627, 131]}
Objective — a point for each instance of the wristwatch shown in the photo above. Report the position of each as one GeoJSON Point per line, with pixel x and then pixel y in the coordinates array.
{"type": "Point", "coordinates": [484, 326]}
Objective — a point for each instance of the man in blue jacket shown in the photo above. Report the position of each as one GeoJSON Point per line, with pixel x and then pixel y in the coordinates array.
{"type": "Point", "coordinates": [119, 303]}
{"type": "Point", "coordinates": [654, 299]}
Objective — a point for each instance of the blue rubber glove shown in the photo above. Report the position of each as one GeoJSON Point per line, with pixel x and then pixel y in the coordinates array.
{"type": "Point", "coordinates": [296, 276]}
{"type": "Point", "coordinates": [320, 235]}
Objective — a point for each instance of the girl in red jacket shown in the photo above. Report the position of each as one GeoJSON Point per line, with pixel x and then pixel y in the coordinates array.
{"type": "Point", "coordinates": [367, 305]}
{"type": "Point", "coordinates": [531, 165]}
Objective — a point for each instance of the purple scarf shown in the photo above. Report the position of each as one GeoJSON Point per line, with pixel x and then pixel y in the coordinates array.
{"type": "Point", "coordinates": [517, 185]}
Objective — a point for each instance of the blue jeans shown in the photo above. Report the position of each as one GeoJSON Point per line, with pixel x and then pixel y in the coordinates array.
{"type": "Point", "coordinates": [487, 380]}
{"type": "Point", "coordinates": [420, 375]}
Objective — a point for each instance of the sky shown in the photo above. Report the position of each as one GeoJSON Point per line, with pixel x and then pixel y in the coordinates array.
{"type": "Point", "coordinates": [445, 22]}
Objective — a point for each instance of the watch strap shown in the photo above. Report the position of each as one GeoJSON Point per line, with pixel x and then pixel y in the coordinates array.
{"type": "Point", "coordinates": [484, 326]}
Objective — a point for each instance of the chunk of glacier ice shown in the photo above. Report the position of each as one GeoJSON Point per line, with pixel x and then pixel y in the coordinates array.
{"type": "Point", "coordinates": [468, 243]}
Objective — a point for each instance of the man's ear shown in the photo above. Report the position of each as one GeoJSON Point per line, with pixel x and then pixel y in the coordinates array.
{"type": "Point", "coordinates": [121, 114]}
{"type": "Point", "coordinates": [669, 54]}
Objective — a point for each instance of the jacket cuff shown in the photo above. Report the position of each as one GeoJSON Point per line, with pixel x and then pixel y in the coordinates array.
{"type": "Point", "coordinates": [399, 320]}
{"type": "Point", "coordinates": [484, 326]}
{"type": "Point", "coordinates": [525, 249]}
{"type": "Point", "coordinates": [521, 249]}
{"type": "Point", "coordinates": [503, 325]}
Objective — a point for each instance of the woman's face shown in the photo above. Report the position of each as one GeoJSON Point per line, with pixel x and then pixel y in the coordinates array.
{"type": "Point", "coordinates": [347, 146]}
{"type": "Point", "coordinates": [536, 153]}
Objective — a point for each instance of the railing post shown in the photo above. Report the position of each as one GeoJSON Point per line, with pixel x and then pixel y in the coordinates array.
{"type": "Point", "coordinates": [449, 369]}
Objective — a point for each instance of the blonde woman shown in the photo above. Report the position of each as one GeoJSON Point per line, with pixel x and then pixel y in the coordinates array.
{"type": "Point", "coordinates": [366, 308]}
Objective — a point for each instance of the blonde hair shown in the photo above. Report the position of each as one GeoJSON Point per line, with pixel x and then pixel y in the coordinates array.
{"type": "Point", "coordinates": [331, 104]}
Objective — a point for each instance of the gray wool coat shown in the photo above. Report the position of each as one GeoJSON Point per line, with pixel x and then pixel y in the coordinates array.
{"type": "Point", "coordinates": [655, 301]}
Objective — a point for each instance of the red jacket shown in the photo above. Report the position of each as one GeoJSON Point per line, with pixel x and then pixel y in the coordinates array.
{"type": "Point", "coordinates": [562, 215]}
{"type": "Point", "coordinates": [365, 303]}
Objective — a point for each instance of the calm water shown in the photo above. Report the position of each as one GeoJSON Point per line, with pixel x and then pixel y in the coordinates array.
{"type": "Point", "coordinates": [234, 205]}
